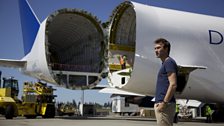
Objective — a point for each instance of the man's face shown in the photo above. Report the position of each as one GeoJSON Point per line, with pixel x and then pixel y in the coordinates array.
{"type": "Point", "coordinates": [160, 50]}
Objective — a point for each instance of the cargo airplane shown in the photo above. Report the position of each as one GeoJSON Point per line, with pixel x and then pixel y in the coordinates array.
{"type": "Point", "coordinates": [71, 48]}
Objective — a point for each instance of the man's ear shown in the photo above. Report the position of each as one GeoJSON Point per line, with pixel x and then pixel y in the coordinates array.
{"type": "Point", "coordinates": [166, 48]}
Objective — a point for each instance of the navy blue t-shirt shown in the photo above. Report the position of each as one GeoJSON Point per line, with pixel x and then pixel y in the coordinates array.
{"type": "Point", "coordinates": [162, 85]}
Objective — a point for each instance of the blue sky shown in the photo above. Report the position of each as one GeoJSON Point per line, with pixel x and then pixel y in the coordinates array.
{"type": "Point", "coordinates": [11, 43]}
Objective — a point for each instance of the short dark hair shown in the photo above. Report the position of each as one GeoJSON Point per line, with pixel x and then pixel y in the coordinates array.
{"type": "Point", "coordinates": [166, 44]}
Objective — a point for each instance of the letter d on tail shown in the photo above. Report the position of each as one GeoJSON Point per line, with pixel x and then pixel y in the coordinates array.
{"type": "Point", "coordinates": [216, 37]}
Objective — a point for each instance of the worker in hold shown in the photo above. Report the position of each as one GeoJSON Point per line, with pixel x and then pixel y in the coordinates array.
{"type": "Point", "coordinates": [208, 114]}
{"type": "Point", "coordinates": [123, 60]}
{"type": "Point", "coordinates": [175, 120]}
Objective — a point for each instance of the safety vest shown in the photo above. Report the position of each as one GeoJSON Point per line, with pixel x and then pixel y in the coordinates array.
{"type": "Point", "coordinates": [208, 111]}
{"type": "Point", "coordinates": [177, 108]}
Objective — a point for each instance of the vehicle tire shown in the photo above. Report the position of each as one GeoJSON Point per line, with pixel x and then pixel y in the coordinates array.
{"type": "Point", "coordinates": [9, 112]}
{"type": "Point", "coordinates": [50, 112]}
{"type": "Point", "coordinates": [30, 116]}
{"type": "Point", "coordinates": [71, 114]}
{"type": "Point", "coordinates": [60, 113]}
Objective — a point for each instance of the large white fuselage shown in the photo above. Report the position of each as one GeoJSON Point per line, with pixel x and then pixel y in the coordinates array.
{"type": "Point", "coordinates": [196, 40]}
{"type": "Point", "coordinates": [71, 49]}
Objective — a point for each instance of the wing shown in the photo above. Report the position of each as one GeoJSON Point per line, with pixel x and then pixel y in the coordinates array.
{"type": "Point", "coordinates": [189, 68]}
{"type": "Point", "coordinates": [12, 63]}
{"type": "Point", "coordinates": [183, 75]}
{"type": "Point", "coordinates": [118, 91]}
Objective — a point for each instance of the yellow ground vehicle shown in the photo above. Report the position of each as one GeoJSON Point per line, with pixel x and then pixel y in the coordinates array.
{"type": "Point", "coordinates": [66, 109]}
{"type": "Point", "coordinates": [37, 99]}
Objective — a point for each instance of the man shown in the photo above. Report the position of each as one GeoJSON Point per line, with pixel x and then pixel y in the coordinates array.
{"type": "Point", "coordinates": [165, 102]}
{"type": "Point", "coordinates": [122, 60]}
{"type": "Point", "coordinates": [208, 113]}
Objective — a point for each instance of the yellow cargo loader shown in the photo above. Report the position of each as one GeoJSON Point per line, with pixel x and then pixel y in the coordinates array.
{"type": "Point", "coordinates": [66, 109]}
{"type": "Point", "coordinates": [37, 99]}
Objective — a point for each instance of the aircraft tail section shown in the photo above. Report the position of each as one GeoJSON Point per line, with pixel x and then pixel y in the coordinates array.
{"type": "Point", "coordinates": [29, 23]}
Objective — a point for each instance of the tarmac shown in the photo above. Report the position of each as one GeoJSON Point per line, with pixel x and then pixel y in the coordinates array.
{"type": "Point", "coordinates": [97, 121]}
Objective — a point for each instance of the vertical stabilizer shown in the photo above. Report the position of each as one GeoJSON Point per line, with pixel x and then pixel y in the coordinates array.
{"type": "Point", "coordinates": [29, 23]}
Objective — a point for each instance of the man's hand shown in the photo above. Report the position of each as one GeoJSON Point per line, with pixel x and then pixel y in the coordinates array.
{"type": "Point", "coordinates": [160, 106]}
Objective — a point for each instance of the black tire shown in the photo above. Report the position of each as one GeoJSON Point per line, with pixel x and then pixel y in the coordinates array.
{"type": "Point", "coordinates": [50, 112]}
{"type": "Point", "coordinates": [60, 113]}
{"type": "Point", "coordinates": [9, 112]}
{"type": "Point", "coordinates": [71, 114]}
{"type": "Point", "coordinates": [30, 116]}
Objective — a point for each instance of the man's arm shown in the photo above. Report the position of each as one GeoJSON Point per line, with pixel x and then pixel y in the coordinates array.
{"type": "Point", "coordinates": [172, 77]}
{"type": "Point", "coordinates": [170, 91]}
